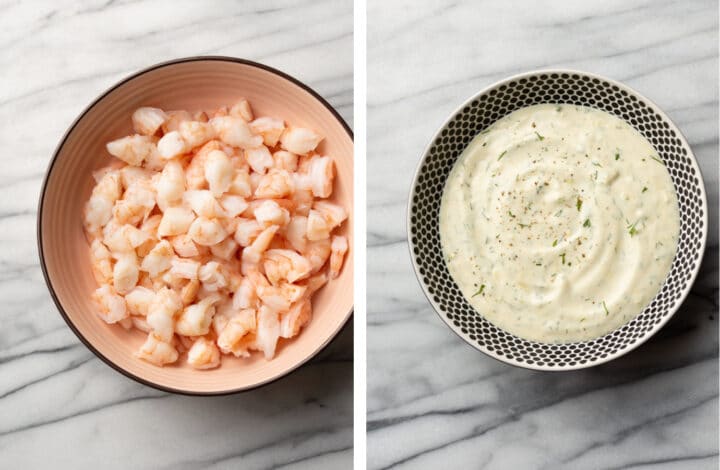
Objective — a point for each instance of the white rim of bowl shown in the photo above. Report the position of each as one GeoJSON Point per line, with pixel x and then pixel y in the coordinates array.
{"type": "Point", "coordinates": [647, 335]}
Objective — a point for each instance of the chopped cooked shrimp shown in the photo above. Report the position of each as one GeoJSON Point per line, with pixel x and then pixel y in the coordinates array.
{"type": "Point", "coordinates": [244, 296]}
{"type": "Point", "coordinates": [203, 203]}
{"type": "Point", "coordinates": [333, 213]}
{"type": "Point", "coordinates": [184, 268]}
{"type": "Point", "coordinates": [136, 204]}
{"type": "Point", "coordinates": [158, 260]}
{"type": "Point", "coordinates": [268, 331]}
{"type": "Point", "coordinates": [141, 324]}
{"type": "Point", "coordinates": [101, 262]}
{"type": "Point", "coordinates": [269, 128]}
{"type": "Point", "coordinates": [219, 172]}
{"type": "Point", "coordinates": [275, 184]}
{"type": "Point", "coordinates": [314, 283]}
{"type": "Point", "coordinates": [125, 273]}
{"type": "Point", "coordinates": [295, 232]}
{"type": "Point", "coordinates": [295, 318]}
{"type": "Point", "coordinates": [226, 249]}
{"type": "Point", "coordinates": [299, 140]}
{"type": "Point", "coordinates": [285, 160]}
{"type": "Point", "coordinates": [173, 120]}
{"type": "Point", "coordinates": [317, 252]}
{"type": "Point", "coordinates": [252, 254]}
{"type": "Point", "coordinates": [175, 221]}
{"type": "Point", "coordinates": [338, 248]}
{"type": "Point", "coordinates": [156, 351]}
{"type": "Point", "coordinates": [147, 121]}
{"type": "Point", "coordinates": [323, 218]}
{"type": "Point", "coordinates": [195, 319]}
{"type": "Point", "coordinates": [246, 231]}
{"type": "Point", "coordinates": [98, 210]}
{"type": "Point", "coordinates": [241, 185]}
{"type": "Point", "coordinates": [239, 324]}
{"type": "Point", "coordinates": [112, 307]}
{"type": "Point", "coordinates": [189, 291]}
{"type": "Point", "coordinates": [133, 149]}
{"type": "Point", "coordinates": [131, 174]}
{"type": "Point", "coordinates": [170, 184]}
{"type": "Point", "coordinates": [200, 116]}
{"type": "Point", "coordinates": [203, 354]}
{"type": "Point", "coordinates": [233, 205]}
{"type": "Point", "coordinates": [259, 158]}
{"type": "Point", "coordinates": [138, 300]}
{"type": "Point", "coordinates": [242, 109]}
{"type": "Point", "coordinates": [269, 212]}
{"type": "Point", "coordinates": [161, 315]}
{"type": "Point", "coordinates": [285, 265]}
{"type": "Point", "coordinates": [184, 246]}
{"type": "Point", "coordinates": [195, 171]}
{"type": "Point", "coordinates": [206, 231]}
{"type": "Point", "coordinates": [212, 277]}
{"type": "Point", "coordinates": [303, 199]}
{"type": "Point", "coordinates": [321, 172]}
{"type": "Point", "coordinates": [235, 131]}
{"type": "Point", "coordinates": [124, 238]}
{"type": "Point", "coordinates": [195, 133]}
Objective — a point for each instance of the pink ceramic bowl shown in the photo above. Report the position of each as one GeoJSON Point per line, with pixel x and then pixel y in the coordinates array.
{"type": "Point", "coordinates": [192, 83]}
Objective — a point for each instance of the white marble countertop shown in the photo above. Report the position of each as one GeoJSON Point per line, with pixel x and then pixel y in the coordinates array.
{"type": "Point", "coordinates": [435, 402]}
{"type": "Point", "coordinates": [59, 405]}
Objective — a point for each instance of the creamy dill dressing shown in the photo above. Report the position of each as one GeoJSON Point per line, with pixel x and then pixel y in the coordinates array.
{"type": "Point", "coordinates": [559, 223]}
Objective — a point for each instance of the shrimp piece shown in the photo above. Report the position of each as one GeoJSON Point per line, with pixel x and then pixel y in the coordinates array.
{"type": "Point", "coordinates": [317, 252]}
{"type": "Point", "coordinates": [175, 221]}
{"type": "Point", "coordinates": [112, 307]}
{"type": "Point", "coordinates": [203, 354]}
{"type": "Point", "coordinates": [125, 273]}
{"type": "Point", "coordinates": [161, 314]}
{"type": "Point", "coordinates": [136, 204]}
{"type": "Point", "coordinates": [158, 260]}
{"type": "Point", "coordinates": [338, 248]}
{"type": "Point", "coordinates": [298, 316]}
{"type": "Point", "coordinates": [278, 297]}
{"type": "Point", "coordinates": [321, 172]}
{"type": "Point", "coordinates": [126, 323]}
{"type": "Point", "coordinates": [323, 218]}
{"type": "Point", "coordinates": [233, 205]}
{"type": "Point", "coordinates": [299, 140]}
{"type": "Point", "coordinates": [333, 213]}
{"type": "Point", "coordinates": [269, 212]}
{"type": "Point", "coordinates": [138, 300]}
{"type": "Point", "coordinates": [238, 325]}
{"type": "Point", "coordinates": [241, 183]}
{"type": "Point", "coordinates": [254, 181]}
{"type": "Point", "coordinates": [212, 277]}
{"type": "Point", "coordinates": [203, 203]}
{"type": "Point", "coordinates": [133, 149]}
{"type": "Point", "coordinates": [156, 351]}
{"type": "Point", "coordinates": [219, 112]}
{"type": "Point", "coordinates": [218, 172]}
{"type": "Point", "coordinates": [151, 224]}
{"type": "Point", "coordinates": [275, 184]}
{"type": "Point", "coordinates": [235, 132]}
{"type": "Point", "coordinates": [195, 133]}
{"type": "Point", "coordinates": [189, 292]}
{"type": "Point", "coordinates": [242, 109]}
{"type": "Point", "coordinates": [184, 268]}
{"type": "Point", "coordinates": [98, 210]}
{"type": "Point", "coordinates": [314, 283]}
{"type": "Point", "coordinates": [206, 231]}
{"type": "Point", "coordinates": [285, 160]}
{"type": "Point", "coordinates": [200, 116]}
{"type": "Point", "coordinates": [317, 227]}
{"type": "Point", "coordinates": [251, 255]}
{"type": "Point", "coordinates": [223, 312]}
{"type": "Point", "coordinates": [247, 231]}
{"type": "Point", "coordinates": [184, 246]}
{"type": "Point", "coordinates": [269, 128]}
{"type": "Point", "coordinates": [268, 331]}
{"type": "Point", "coordinates": [170, 184]}
{"type": "Point", "coordinates": [147, 121]}
{"type": "Point", "coordinates": [285, 264]}
{"type": "Point", "coordinates": [141, 324]}
{"type": "Point", "coordinates": [195, 171]}
{"type": "Point", "coordinates": [132, 174]}
{"type": "Point", "coordinates": [244, 296]}
{"type": "Point", "coordinates": [173, 120]}
{"type": "Point", "coordinates": [101, 262]}
{"type": "Point", "coordinates": [195, 319]}
{"type": "Point", "coordinates": [226, 249]}
{"type": "Point", "coordinates": [259, 158]}
{"type": "Point", "coordinates": [295, 232]}
{"type": "Point", "coordinates": [124, 239]}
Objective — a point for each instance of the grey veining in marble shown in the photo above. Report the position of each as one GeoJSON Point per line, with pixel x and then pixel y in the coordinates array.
{"type": "Point", "coordinates": [60, 405]}
{"type": "Point", "coordinates": [435, 402]}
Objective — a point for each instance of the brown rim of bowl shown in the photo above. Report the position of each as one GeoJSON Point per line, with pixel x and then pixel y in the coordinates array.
{"type": "Point", "coordinates": [49, 169]}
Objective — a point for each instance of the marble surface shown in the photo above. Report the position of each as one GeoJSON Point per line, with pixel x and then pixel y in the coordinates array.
{"type": "Point", "coordinates": [60, 405]}
{"type": "Point", "coordinates": [435, 402]}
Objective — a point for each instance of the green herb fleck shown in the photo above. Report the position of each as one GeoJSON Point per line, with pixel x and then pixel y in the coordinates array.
{"type": "Point", "coordinates": [558, 109]}
{"type": "Point", "coordinates": [480, 291]}
{"type": "Point", "coordinates": [657, 160]}
{"type": "Point", "coordinates": [511, 214]}
{"type": "Point", "coordinates": [617, 156]}
{"type": "Point", "coordinates": [539, 136]}
{"type": "Point", "coordinates": [644, 189]}
{"type": "Point", "coordinates": [582, 319]}
{"type": "Point", "coordinates": [555, 242]}
{"type": "Point", "coordinates": [578, 204]}
{"type": "Point", "coordinates": [563, 258]}
{"type": "Point", "coordinates": [502, 154]}
{"type": "Point", "coordinates": [605, 307]}
{"type": "Point", "coordinates": [523, 225]}
{"type": "Point", "coordinates": [538, 264]}
{"type": "Point", "coordinates": [597, 164]}
{"type": "Point", "coordinates": [587, 223]}
{"type": "Point", "coordinates": [631, 228]}
{"type": "Point", "coordinates": [485, 131]}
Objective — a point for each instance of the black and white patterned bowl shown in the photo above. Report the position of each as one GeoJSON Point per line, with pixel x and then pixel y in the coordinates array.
{"type": "Point", "coordinates": [497, 101]}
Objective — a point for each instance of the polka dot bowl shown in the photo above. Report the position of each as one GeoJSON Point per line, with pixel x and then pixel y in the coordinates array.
{"type": "Point", "coordinates": [497, 101]}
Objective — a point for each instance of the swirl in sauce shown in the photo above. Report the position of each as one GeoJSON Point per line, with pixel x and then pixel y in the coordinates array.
{"type": "Point", "coordinates": [559, 223]}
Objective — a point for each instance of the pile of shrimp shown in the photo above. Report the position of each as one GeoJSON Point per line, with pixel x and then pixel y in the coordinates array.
{"type": "Point", "coordinates": [212, 232]}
